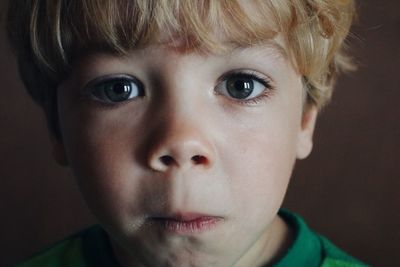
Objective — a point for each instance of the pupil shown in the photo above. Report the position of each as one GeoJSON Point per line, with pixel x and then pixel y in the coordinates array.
{"type": "Point", "coordinates": [240, 87]}
{"type": "Point", "coordinates": [120, 88]}
{"type": "Point", "coordinates": [118, 91]}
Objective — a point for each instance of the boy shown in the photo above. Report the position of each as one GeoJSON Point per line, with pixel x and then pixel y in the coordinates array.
{"type": "Point", "coordinates": [182, 121]}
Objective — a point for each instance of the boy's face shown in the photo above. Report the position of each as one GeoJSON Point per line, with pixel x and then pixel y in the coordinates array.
{"type": "Point", "coordinates": [185, 158]}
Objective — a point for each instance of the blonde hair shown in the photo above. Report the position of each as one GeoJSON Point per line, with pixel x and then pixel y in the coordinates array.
{"type": "Point", "coordinates": [49, 35]}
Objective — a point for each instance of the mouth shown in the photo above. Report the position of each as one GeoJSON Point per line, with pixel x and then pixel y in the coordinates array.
{"type": "Point", "coordinates": [186, 223]}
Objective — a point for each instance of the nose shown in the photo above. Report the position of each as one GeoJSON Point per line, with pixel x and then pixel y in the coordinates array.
{"type": "Point", "coordinates": [180, 144]}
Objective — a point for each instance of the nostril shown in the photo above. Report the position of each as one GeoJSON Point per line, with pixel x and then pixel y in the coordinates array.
{"type": "Point", "coordinates": [199, 160]}
{"type": "Point", "coordinates": [167, 160]}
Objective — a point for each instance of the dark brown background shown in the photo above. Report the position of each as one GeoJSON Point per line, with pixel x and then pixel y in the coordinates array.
{"type": "Point", "coordinates": [348, 189]}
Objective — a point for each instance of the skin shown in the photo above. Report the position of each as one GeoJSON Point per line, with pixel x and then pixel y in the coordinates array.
{"type": "Point", "coordinates": [226, 158]}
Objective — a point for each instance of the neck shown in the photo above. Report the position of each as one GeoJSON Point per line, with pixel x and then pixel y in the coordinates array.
{"type": "Point", "coordinates": [271, 246]}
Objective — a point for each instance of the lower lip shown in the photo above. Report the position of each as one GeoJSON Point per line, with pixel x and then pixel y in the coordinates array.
{"type": "Point", "coordinates": [198, 225]}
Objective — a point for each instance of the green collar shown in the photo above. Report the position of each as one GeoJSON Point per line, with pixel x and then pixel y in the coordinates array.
{"type": "Point", "coordinates": [305, 250]}
{"type": "Point", "coordinates": [96, 248]}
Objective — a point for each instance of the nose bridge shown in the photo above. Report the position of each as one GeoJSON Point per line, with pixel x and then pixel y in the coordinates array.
{"type": "Point", "coordinates": [180, 138]}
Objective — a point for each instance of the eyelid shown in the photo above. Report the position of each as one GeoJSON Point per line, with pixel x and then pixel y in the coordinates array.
{"type": "Point", "coordinates": [264, 79]}
{"type": "Point", "coordinates": [110, 77]}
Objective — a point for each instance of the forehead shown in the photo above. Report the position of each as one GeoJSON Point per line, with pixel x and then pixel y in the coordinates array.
{"type": "Point", "coordinates": [121, 26]}
{"type": "Point", "coordinates": [154, 56]}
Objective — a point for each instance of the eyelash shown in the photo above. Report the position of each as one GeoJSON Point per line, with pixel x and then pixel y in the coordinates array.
{"type": "Point", "coordinates": [266, 82]}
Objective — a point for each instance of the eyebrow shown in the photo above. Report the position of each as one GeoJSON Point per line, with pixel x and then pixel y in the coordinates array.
{"type": "Point", "coordinates": [270, 48]}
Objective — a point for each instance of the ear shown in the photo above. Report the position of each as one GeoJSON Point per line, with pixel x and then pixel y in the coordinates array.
{"type": "Point", "coordinates": [305, 135]}
{"type": "Point", "coordinates": [58, 151]}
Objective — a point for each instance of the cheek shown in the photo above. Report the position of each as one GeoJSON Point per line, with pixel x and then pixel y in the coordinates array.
{"type": "Point", "coordinates": [261, 162]}
{"type": "Point", "coordinates": [103, 162]}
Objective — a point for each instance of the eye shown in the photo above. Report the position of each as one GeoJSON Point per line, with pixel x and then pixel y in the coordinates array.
{"type": "Point", "coordinates": [116, 89]}
{"type": "Point", "coordinates": [243, 86]}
